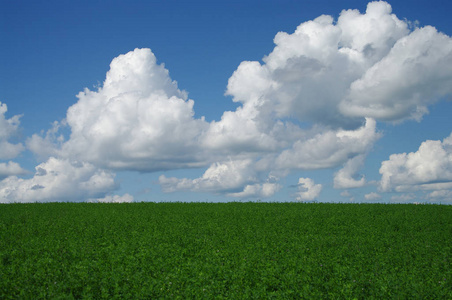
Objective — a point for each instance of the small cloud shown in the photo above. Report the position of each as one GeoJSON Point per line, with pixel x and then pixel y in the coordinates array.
{"type": "Point", "coordinates": [346, 194]}
{"type": "Point", "coordinates": [218, 178]}
{"type": "Point", "coordinates": [258, 190]}
{"type": "Point", "coordinates": [307, 189]}
{"type": "Point", "coordinates": [372, 196]}
{"type": "Point", "coordinates": [126, 198]}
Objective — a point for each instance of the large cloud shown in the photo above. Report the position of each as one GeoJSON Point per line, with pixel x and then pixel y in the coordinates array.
{"type": "Point", "coordinates": [429, 168]}
{"type": "Point", "coordinates": [415, 73]}
{"type": "Point", "coordinates": [58, 180]}
{"type": "Point", "coordinates": [365, 65]}
{"type": "Point", "coordinates": [129, 125]}
{"type": "Point", "coordinates": [137, 120]}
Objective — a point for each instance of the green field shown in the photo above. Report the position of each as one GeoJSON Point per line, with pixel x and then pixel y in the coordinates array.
{"type": "Point", "coordinates": [225, 250]}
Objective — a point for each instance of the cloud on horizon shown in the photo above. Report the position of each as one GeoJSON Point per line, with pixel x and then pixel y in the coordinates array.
{"type": "Point", "coordinates": [307, 189]}
{"type": "Point", "coordinates": [429, 168]}
{"type": "Point", "coordinates": [313, 103]}
{"type": "Point", "coordinates": [59, 180]}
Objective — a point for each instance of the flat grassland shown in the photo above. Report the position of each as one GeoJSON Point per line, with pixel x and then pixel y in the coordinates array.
{"type": "Point", "coordinates": [225, 250]}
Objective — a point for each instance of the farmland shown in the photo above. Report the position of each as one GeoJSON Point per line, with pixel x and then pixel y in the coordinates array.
{"type": "Point", "coordinates": [225, 250]}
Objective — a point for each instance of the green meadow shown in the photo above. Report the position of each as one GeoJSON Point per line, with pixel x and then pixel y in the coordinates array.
{"type": "Point", "coordinates": [225, 250]}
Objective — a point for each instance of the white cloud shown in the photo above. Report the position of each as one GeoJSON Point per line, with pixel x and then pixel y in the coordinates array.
{"type": "Point", "coordinates": [368, 37]}
{"type": "Point", "coordinates": [326, 149]}
{"type": "Point", "coordinates": [232, 178]}
{"type": "Point", "coordinates": [344, 178]}
{"type": "Point", "coordinates": [11, 169]}
{"type": "Point", "coordinates": [428, 168]}
{"type": "Point", "coordinates": [229, 176]}
{"type": "Point", "coordinates": [50, 144]}
{"type": "Point", "coordinates": [329, 149]}
{"type": "Point", "coordinates": [264, 190]}
{"type": "Point", "coordinates": [58, 180]}
{"type": "Point", "coordinates": [8, 128]}
{"type": "Point", "coordinates": [364, 65]}
{"type": "Point", "coordinates": [238, 132]}
{"type": "Point", "coordinates": [415, 73]}
{"type": "Point", "coordinates": [372, 196]}
{"type": "Point", "coordinates": [303, 77]}
{"type": "Point", "coordinates": [307, 189]}
{"type": "Point", "coordinates": [138, 119]}
{"type": "Point", "coordinates": [126, 198]}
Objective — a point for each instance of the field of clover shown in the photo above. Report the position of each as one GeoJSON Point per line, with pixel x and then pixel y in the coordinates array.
{"type": "Point", "coordinates": [225, 250]}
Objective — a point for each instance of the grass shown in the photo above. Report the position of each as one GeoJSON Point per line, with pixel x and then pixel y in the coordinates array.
{"type": "Point", "coordinates": [225, 250]}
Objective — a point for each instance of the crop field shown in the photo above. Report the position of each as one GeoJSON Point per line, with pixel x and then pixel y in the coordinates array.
{"type": "Point", "coordinates": [225, 250]}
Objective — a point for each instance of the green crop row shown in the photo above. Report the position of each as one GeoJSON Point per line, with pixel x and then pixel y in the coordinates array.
{"type": "Point", "coordinates": [225, 250]}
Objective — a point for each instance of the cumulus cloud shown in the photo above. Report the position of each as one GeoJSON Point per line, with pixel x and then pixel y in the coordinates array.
{"type": "Point", "coordinates": [372, 196]}
{"type": "Point", "coordinates": [344, 178]}
{"type": "Point", "coordinates": [58, 180]}
{"type": "Point", "coordinates": [364, 65]}
{"type": "Point", "coordinates": [126, 198]}
{"type": "Point", "coordinates": [429, 168]}
{"type": "Point", "coordinates": [415, 73]}
{"type": "Point", "coordinates": [307, 189]}
{"type": "Point", "coordinates": [371, 35]}
{"type": "Point", "coordinates": [11, 169]}
{"type": "Point", "coordinates": [315, 149]}
{"type": "Point", "coordinates": [219, 177]}
{"type": "Point", "coordinates": [232, 178]}
{"type": "Point", "coordinates": [328, 149]}
{"type": "Point", "coordinates": [138, 119]}
{"type": "Point", "coordinates": [263, 190]}
{"type": "Point", "coordinates": [48, 145]}
{"type": "Point", "coordinates": [8, 128]}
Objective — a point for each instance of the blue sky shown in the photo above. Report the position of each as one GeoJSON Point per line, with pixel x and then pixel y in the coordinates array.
{"type": "Point", "coordinates": [261, 109]}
